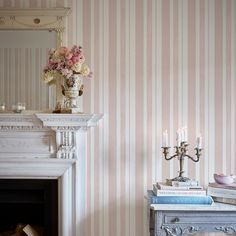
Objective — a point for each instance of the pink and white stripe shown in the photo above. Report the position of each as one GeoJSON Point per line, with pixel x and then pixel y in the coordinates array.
{"type": "Point", "coordinates": [158, 64]}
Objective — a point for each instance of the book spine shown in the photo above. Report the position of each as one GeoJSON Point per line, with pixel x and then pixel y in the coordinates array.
{"type": "Point", "coordinates": [221, 192]}
{"type": "Point", "coordinates": [171, 187]}
{"type": "Point", "coordinates": [159, 192]}
{"type": "Point", "coordinates": [225, 200]}
{"type": "Point", "coordinates": [223, 186]}
{"type": "Point", "coordinates": [167, 187]}
{"type": "Point", "coordinates": [190, 183]}
{"type": "Point", "coordinates": [204, 200]}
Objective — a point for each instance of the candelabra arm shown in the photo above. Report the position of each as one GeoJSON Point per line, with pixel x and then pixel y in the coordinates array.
{"type": "Point", "coordinates": [166, 152]}
{"type": "Point", "coordinates": [171, 157]}
{"type": "Point", "coordinates": [193, 159]}
{"type": "Point", "coordinates": [181, 153]}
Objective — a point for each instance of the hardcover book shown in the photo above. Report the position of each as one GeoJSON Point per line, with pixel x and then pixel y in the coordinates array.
{"type": "Point", "coordinates": [221, 192]}
{"type": "Point", "coordinates": [225, 186]}
{"type": "Point", "coordinates": [201, 200]}
{"type": "Point", "coordinates": [225, 200]}
{"type": "Point", "coordinates": [178, 191]}
{"type": "Point", "coordinates": [164, 186]}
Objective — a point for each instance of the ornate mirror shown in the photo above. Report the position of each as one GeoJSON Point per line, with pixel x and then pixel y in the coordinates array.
{"type": "Point", "coordinates": [25, 38]}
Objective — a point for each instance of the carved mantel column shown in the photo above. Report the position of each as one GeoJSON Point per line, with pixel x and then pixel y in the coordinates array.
{"type": "Point", "coordinates": [70, 130]}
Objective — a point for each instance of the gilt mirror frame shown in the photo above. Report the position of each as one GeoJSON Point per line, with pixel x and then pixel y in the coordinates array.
{"type": "Point", "coordinates": [37, 19]}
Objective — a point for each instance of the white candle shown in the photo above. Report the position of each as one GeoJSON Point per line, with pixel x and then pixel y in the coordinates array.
{"type": "Point", "coordinates": [199, 142]}
{"type": "Point", "coordinates": [165, 139]}
{"type": "Point", "coordinates": [181, 135]}
{"type": "Point", "coordinates": [178, 138]}
{"type": "Point", "coordinates": [2, 106]}
{"type": "Point", "coordinates": [185, 134]}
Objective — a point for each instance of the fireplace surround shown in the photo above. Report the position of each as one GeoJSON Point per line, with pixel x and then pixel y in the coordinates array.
{"type": "Point", "coordinates": [50, 146]}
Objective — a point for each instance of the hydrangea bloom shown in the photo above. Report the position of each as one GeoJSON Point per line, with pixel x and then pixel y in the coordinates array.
{"type": "Point", "coordinates": [65, 62]}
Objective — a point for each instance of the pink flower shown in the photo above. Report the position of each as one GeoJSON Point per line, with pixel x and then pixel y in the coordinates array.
{"type": "Point", "coordinates": [66, 62]}
{"type": "Point", "coordinates": [63, 50]}
{"type": "Point", "coordinates": [69, 55]}
{"type": "Point", "coordinates": [69, 63]}
{"type": "Point", "coordinates": [60, 66]}
{"type": "Point", "coordinates": [67, 73]}
{"type": "Point", "coordinates": [75, 59]}
{"type": "Point", "coordinates": [76, 48]}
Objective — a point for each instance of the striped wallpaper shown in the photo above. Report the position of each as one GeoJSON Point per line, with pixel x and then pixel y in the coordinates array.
{"type": "Point", "coordinates": [158, 65]}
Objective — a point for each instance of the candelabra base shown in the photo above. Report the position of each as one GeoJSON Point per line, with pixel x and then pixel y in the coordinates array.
{"type": "Point", "coordinates": [181, 179]}
{"type": "Point", "coordinates": [187, 183]}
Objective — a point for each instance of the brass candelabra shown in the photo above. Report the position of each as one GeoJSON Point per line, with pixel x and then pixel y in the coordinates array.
{"type": "Point", "coordinates": [181, 153]}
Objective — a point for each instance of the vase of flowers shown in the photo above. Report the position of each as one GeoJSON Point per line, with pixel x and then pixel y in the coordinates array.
{"type": "Point", "coordinates": [66, 67]}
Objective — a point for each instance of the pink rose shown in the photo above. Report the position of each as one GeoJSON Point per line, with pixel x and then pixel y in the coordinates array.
{"type": "Point", "coordinates": [75, 59]}
{"type": "Point", "coordinates": [69, 55]}
{"type": "Point", "coordinates": [63, 50]}
{"type": "Point", "coordinates": [76, 50]}
{"type": "Point", "coordinates": [67, 73]}
{"type": "Point", "coordinates": [69, 63]}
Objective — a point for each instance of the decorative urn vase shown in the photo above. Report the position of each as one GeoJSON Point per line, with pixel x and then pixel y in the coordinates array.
{"type": "Point", "coordinates": [66, 68]}
{"type": "Point", "coordinates": [72, 88]}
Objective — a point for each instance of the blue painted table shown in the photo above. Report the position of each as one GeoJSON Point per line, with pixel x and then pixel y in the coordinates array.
{"type": "Point", "coordinates": [177, 220]}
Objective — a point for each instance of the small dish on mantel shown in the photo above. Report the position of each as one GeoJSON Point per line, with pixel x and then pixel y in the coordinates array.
{"type": "Point", "coordinates": [18, 108]}
{"type": "Point", "coordinates": [224, 179]}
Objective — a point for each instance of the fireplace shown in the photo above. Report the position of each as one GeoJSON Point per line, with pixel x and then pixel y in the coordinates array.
{"type": "Point", "coordinates": [48, 147]}
{"type": "Point", "coordinates": [29, 201]}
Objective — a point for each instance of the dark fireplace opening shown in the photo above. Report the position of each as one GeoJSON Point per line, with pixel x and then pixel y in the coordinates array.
{"type": "Point", "coordinates": [31, 202]}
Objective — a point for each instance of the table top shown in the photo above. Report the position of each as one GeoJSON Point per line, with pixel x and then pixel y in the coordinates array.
{"type": "Point", "coordinates": [193, 207]}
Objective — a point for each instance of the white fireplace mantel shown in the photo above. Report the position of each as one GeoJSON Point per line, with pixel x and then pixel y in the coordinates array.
{"type": "Point", "coordinates": [44, 135]}
{"type": "Point", "coordinates": [46, 145]}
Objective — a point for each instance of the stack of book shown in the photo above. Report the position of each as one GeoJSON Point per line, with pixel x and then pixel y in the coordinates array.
{"type": "Point", "coordinates": [166, 194]}
{"type": "Point", "coordinates": [222, 193]}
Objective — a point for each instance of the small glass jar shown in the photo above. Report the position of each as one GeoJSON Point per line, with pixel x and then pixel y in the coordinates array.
{"type": "Point", "coordinates": [18, 107]}
{"type": "Point", "coordinates": [2, 106]}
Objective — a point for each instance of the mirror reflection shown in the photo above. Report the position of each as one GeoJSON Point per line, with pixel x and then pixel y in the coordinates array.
{"type": "Point", "coordinates": [23, 54]}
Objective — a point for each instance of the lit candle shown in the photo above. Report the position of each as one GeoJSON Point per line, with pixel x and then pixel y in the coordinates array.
{"type": "Point", "coordinates": [165, 139]}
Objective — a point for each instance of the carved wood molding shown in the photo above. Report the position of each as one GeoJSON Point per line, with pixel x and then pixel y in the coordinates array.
{"type": "Point", "coordinates": [68, 128]}
{"type": "Point", "coordinates": [22, 128]}
{"type": "Point", "coordinates": [35, 19]}
{"type": "Point", "coordinates": [69, 121]}
{"type": "Point", "coordinates": [51, 19]}
{"type": "Point", "coordinates": [179, 231]}
{"type": "Point", "coordinates": [229, 230]}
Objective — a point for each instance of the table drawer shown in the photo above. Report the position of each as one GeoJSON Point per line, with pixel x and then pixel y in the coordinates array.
{"type": "Point", "coordinates": [197, 218]}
